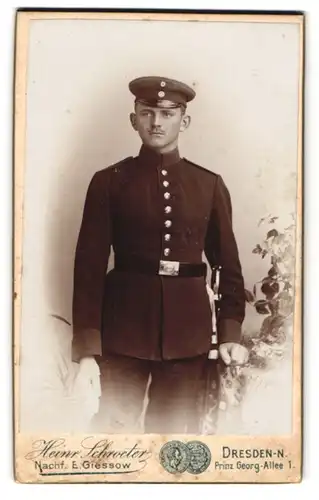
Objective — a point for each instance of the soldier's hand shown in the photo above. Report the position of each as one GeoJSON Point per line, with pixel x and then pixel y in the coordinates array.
{"type": "Point", "coordinates": [88, 381]}
{"type": "Point", "coordinates": [89, 365]}
{"type": "Point", "coordinates": [233, 353]}
{"type": "Point", "coordinates": [90, 371]}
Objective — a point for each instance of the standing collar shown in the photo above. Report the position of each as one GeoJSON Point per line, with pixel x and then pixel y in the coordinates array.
{"type": "Point", "coordinates": [150, 157]}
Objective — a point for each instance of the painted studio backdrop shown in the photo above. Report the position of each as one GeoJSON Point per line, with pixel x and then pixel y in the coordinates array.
{"type": "Point", "coordinates": [244, 127]}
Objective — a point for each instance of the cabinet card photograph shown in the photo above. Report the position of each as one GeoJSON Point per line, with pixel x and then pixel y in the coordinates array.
{"type": "Point", "coordinates": [158, 163]}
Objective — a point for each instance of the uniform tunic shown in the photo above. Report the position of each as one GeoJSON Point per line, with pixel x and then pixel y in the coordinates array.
{"type": "Point", "coordinates": [154, 207]}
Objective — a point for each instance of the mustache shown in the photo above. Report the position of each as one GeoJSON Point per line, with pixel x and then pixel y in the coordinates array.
{"type": "Point", "coordinates": [156, 131]}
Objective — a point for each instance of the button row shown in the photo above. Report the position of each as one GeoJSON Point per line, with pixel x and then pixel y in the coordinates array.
{"type": "Point", "coordinates": [167, 210]}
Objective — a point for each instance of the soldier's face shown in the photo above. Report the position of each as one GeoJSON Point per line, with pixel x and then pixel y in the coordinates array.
{"type": "Point", "coordinates": [159, 128]}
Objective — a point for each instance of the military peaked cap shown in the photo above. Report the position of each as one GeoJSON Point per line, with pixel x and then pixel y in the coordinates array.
{"type": "Point", "coordinates": [160, 91]}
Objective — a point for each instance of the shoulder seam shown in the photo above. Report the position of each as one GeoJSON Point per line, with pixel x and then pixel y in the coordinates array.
{"type": "Point", "coordinates": [125, 160]}
{"type": "Point", "coordinates": [199, 166]}
{"type": "Point", "coordinates": [114, 165]}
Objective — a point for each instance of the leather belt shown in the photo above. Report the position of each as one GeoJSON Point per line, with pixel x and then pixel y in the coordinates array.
{"type": "Point", "coordinates": [135, 264]}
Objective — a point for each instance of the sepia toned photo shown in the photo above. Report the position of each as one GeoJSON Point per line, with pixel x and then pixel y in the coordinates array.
{"type": "Point", "coordinates": [158, 237]}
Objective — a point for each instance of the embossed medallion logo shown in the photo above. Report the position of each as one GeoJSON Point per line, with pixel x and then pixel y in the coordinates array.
{"type": "Point", "coordinates": [177, 457]}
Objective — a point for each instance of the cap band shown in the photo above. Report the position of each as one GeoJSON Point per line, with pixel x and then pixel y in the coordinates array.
{"type": "Point", "coordinates": [157, 103]}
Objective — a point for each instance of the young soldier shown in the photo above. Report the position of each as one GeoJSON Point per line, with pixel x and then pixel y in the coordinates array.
{"type": "Point", "coordinates": [150, 318]}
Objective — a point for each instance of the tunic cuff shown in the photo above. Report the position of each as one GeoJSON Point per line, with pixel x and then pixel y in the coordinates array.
{"type": "Point", "coordinates": [86, 342]}
{"type": "Point", "coordinates": [229, 330]}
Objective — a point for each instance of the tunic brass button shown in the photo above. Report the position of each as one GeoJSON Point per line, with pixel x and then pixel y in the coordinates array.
{"type": "Point", "coordinates": [165, 183]}
{"type": "Point", "coordinates": [168, 223]}
{"type": "Point", "coordinates": [164, 172]}
{"type": "Point", "coordinates": [168, 209]}
{"type": "Point", "coordinates": [166, 252]}
{"type": "Point", "coordinates": [167, 237]}
{"type": "Point", "coordinates": [167, 196]}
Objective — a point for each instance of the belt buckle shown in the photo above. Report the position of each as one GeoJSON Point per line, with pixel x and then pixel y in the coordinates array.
{"type": "Point", "coordinates": [168, 268]}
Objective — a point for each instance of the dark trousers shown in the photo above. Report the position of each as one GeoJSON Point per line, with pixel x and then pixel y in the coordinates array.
{"type": "Point", "coordinates": [149, 396]}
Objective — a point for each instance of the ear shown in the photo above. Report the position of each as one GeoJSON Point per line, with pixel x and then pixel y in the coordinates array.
{"type": "Point", "coordinates": [185, 123]}
{"type": "Point", "coordinates": [133, 120]}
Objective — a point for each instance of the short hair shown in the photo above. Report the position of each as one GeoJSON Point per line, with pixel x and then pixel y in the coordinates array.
{"type": "Point", "coordinates": [183, 109]}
